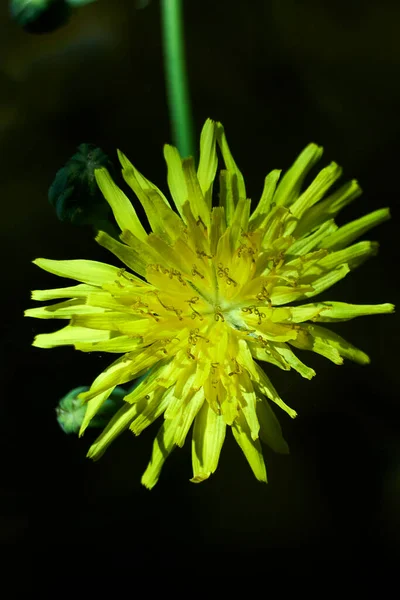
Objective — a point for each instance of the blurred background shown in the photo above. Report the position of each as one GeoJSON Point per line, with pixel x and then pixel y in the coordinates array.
{"type": "Point", "coordinates": [278, 74]}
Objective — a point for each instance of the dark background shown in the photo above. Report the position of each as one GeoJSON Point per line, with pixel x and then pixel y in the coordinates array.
{"type": "Point", "coordinates": [278, 74]}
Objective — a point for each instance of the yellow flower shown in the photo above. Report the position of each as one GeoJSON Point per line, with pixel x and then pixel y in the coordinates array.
{"type": "Point", "coordinates": [212, 296]}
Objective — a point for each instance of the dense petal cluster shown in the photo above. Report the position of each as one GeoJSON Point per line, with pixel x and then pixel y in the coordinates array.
{"type": "Point", "coordinates": [208, 294]}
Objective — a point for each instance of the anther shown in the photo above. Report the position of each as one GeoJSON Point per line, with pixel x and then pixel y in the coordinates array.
{"type": "Point", "coordinates": [196, 272]}
{"type": "Point", "coordinates": [238, 370]}
{"type": "Point", "coordinates": [218, 314]}
{"type": "Point", "coordinates": [201, 254]}
{"type": "Point", "coordinates": [224, 272]}
{"type": "Point", "coordinates": [201, 222]}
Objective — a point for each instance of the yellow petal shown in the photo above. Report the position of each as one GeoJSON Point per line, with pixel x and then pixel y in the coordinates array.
{"type": "Point", "coordinates": [227, 197]}
{"type": "Point", "coordinates": [248, 402]}
{"type": "Point", "coordinates": [74, 291]}
{"type": "Point", "coordinates": [124, 213]}
{"type": "Point", "coordinates": [162, 447]}
{"type": "Point", "coordinates": [87, 271]}
{"type": "Point", "coordinates": [218, 227]}
{"type": "Point", "coordinates": [208, 438]}
{"type": "Point", "coordinates": [268, 390]}
{"type": "Point", "coordinates": [144, 183]}
{"type": "Point", "coordinates": [310, 241]}
{"type": "Point", "coordinates": [115, 427]}
{"type": "Point", "coordinates": [324, 282]}
{"type": "Point", "coordinates": [118, 344]}
{"type": "Point", "coordinates": [328, 208]}
{"type": "Point", "coordinates": [63, 310]}
{"type": "Point", "coordinates": [130, 257]}
{"type": "Point", "coordinates": [351, 231]}
{"type": "Point", "coordinates": [290, 185]}
{"type": "Point", "coordinates": [208, 160]}
{"type": "Point", "coordinates": [195, 195]}
{"type": "Point", "coordinates": [187, 416]}
{"type": "Point", "coordinates": [163, 220]}
{"type": "Point", "coordinates": [353, 256]}
{"type": "Point", "coordinates": [175, 177]}
{"type": "Point", "coordinates": [127, 324]}
{"type": "Point", "coordinates": [316, 190]}
{"type": "Point", "coordinates": [70, 335]}
{"type": "Point", "coordinates": [150, 411]}
{"type": "Point", "coordinates": [240, 221]}
{"type": "Point", "coordinates": [121, 371]}
{"type": "Point", "coordinates": [329, 344]}
{"type": "Point", "coordinates": [341, 311]}
{"type": "Point", "coordinates": [294, 362]}
{"type": "Point", "coordinates": [270, 429]}
{"type": "Point", "coordinates": [251, 448]}
{"type": "Point", "coordinates": [93, 406]}
{"type": "Point", "coordinates": [263, 208]}
{"type": "Point", "coordinates": [239, 188]}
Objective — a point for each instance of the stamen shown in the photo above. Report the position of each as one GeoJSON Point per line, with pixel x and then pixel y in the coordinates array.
{"type": "Point", "coordinates": [122, 273]}
{"type": "Point", "coordinates": [278, 260]}
{"type": "Point", "coordinates": [194, 314]}
{"type": "Point", "coordinates": [170, 272]}
{"type": "Point", "coordinates": [196, 272]}
{"type": "Point", "coordinates": [260, 315]}
{"type": "Point", "coordinates": [238, 370]}
{"type": "Point", "coordinates": [195, 335]}
{"type": "Point", "coordinates": [254, 309]}
{"type": "Point", "coordinates": [242, 248]}
{"type": "Point", "coordinates": [264, 343]}
{"type": "Point", "coordinates": [190, 355]}
{"type": "Point", "coordinates": [218, 314]}
{"type": "Point", "coordinates": [178, 275]}
{"type": "Point", "coordinates": [214, 367]}
{"type": "Point", "coordinates": [247, 309]}
{"type": "Point", "coordinates": [264, 295]}
{"type": "Point", "coordinates": [177, 311]}
{"type": "Point", "coordinates": [224, 272]}
{"type": "Point", "coordinates": [201, 254]}
{"type": "Point", "coordinates": [201, 222]}
{"type": "Point", "coordinates": [151, 313]}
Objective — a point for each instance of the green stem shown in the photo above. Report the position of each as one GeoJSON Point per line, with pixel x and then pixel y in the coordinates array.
{"type": "Point", "coordinates": [176, 76]}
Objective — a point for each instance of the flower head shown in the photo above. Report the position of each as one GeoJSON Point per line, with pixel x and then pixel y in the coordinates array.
{"type": "Point", "coordinates": [208, 295]}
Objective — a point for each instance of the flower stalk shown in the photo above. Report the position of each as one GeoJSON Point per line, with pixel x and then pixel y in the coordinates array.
{"type": "Point", "coordinates": [176, 76]}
